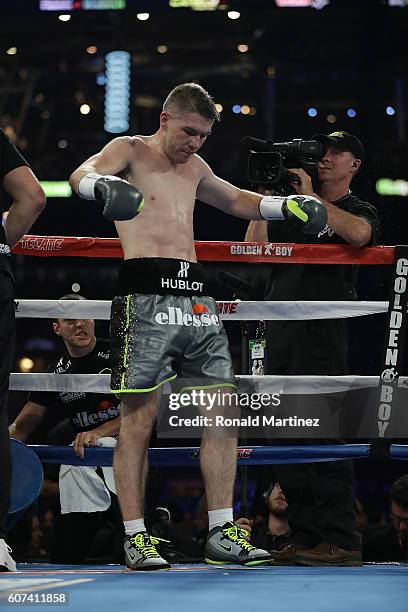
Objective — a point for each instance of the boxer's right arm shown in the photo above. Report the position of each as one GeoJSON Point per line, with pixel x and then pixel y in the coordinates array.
{"type": "Point", "coordinates": [27, 421]}
{"type": "Point", "coordinates": [95, 180]}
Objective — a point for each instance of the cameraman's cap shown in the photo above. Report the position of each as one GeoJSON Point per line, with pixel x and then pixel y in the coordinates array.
{"type": "Point", "coordinates": [343, 141]}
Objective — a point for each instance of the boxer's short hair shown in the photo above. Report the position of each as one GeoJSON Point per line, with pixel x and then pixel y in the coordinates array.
{"type": "Point", "coordinates": [191, 98]}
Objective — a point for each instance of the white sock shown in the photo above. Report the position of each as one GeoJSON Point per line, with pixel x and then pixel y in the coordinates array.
{"type": "Point", "coordinates": [135, 526]}
{"type": "Point", "coordinates": [217, 518]}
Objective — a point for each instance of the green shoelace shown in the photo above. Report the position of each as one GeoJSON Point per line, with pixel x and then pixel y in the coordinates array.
{"type": "Point", "coordinates": [236, 534]}
{"type": "Point", "coordinates": [146, 545]}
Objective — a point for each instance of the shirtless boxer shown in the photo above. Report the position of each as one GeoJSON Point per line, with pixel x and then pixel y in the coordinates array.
{"type": "Point", "coordinates": [162, 321]}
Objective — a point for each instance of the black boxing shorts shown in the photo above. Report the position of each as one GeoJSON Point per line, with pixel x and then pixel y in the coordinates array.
{"type": "Point", "coordinates": [163, 326]}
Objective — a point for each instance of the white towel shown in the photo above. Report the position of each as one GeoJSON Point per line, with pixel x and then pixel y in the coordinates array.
{"type": "Point", "coordinates": [82, 489]}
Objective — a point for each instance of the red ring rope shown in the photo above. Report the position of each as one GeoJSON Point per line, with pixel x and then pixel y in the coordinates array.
{"type": "Point", "coordinates": [251, 252]}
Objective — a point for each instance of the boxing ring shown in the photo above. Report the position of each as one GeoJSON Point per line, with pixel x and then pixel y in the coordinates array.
{"type": "Point", "coordinates": [376, 588]}
{"type": "Point", "coordinates": [369, 588]}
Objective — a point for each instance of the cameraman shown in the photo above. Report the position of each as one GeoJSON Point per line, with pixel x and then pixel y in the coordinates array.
{"type": "Point", "coordinates": [320, 494]}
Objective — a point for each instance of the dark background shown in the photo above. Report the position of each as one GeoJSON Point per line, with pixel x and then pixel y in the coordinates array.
{"type": "Point", "coordinates": [349, 54]}
{"type": "Point", "coordinates": [331, 59]}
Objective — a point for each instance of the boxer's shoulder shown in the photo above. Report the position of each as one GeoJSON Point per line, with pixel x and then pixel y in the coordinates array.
{"type": "Point", "coordinates": [137, 141]}
{"type": "Point", "coordinates": [127, 145]}
{"type": "Point", "coordinates": [199, 167]}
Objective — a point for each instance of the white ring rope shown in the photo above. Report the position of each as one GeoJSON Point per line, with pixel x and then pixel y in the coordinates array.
{"type": "Point", "coordinates": [238, 311]}
{"type": "Point", "coordinates": [99, 383]}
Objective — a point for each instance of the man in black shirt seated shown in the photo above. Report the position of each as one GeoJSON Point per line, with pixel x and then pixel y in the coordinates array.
{"type": "Point", "coordinates": [92, 415]}
{"type": "Point", "coordinates": [390, 542]}
{"type": "Point", "coordinates": [87, 494]}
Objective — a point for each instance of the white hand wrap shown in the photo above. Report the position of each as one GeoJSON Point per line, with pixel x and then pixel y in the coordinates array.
{"type": "Point", "coordinates": [86, 187]}
{"type": "Point", "coordinates": [270, 208]}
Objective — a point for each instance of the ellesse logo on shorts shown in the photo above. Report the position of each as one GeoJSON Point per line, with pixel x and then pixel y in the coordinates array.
{"type": "Point", "coordinates": [175, 316]}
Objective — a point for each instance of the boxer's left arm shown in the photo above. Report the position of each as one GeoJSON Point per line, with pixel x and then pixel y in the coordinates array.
{"type": "Point", "coordinates": [257, 230]}
{"type": "Point", "coordinates": [355, 230]}
{"type": "Point", "coordinates": [306, 212]}
{"type": "Point", "coordinates": [223, 195]}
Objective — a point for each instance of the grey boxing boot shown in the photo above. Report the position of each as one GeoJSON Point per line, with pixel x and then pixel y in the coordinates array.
{"type": "Point", "coordinates": [227, 545]}
{"type": "Point", "coordinates": [141, 552]}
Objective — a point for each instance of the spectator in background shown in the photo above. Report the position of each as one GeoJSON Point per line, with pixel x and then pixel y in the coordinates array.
{"type": "Point", "coordinates": [20, 188]}
{"type": "Point", "coordinates": [389, 542]}
{"type": "Point", "coordinates": [272, 531]}
{"type": "Point", "coordinates": [277, 534]}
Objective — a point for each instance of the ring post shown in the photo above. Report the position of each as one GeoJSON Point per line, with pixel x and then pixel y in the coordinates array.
{"type": "Point", "coordinates": [392, 357]}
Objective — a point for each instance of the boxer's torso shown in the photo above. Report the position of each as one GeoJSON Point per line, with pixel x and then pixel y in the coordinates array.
{"type": "Point", "coordinates": [165, 226]}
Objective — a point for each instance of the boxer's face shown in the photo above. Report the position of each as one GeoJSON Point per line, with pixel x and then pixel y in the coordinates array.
{"type": "Point", "coordinates": [184, 135]}
{"type": "Point", "coordinates": [76, 333]}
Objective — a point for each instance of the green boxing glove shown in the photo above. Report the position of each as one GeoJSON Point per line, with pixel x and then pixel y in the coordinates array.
{"type": "Point", "coordinates": [305, 212]}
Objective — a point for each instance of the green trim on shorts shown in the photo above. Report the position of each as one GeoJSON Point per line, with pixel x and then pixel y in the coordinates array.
{"type": "Point", "coordinates": [125, 354]}
{"type": "Point", "coordinates": [119, 391]}
{"type": "Point", "coordinates": [219, 386]}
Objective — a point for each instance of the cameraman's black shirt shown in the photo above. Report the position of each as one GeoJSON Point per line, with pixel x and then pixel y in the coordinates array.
{"type": "Point", "coordinates": [86, 411]}
{"type": "Point", "coordinates": [10, 159]}
{"type": "Point", "coordinates": [315, 281]}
